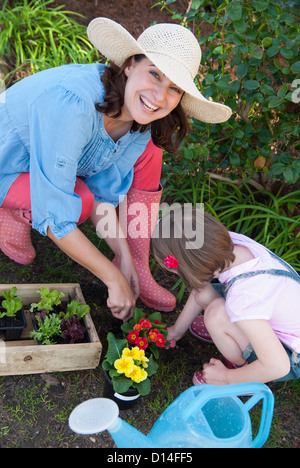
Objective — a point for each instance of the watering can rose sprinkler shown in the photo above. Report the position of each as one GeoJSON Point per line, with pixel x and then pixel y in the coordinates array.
{"type": "Point", "coordinates": [203, 416]}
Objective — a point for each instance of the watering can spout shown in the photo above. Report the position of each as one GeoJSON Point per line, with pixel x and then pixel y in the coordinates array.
{"type": "Point", "coordinates": [127, 436]}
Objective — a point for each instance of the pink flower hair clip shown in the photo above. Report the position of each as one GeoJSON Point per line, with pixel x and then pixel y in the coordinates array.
{"type": "Point", "coordinates": [171, 262]}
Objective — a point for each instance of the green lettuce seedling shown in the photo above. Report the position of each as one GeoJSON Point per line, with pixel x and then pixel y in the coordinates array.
{"type": "Point", "coordinates": [11, 303]}
{"type": "Point", "coordinates": [48, 299]}
{"type": "Point", "coordinates": [48, 328]}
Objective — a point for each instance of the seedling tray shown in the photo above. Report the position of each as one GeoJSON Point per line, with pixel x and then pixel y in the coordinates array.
{"type": "Point", "coordinates": [13, 327]}
{"type": "Point", "coordinates": [25, 356]}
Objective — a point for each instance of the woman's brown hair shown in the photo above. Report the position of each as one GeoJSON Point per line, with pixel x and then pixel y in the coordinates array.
{"type": "Point", "coordinates": [197, 264]}
{"type": "Point", "coordinates": [166, 133]}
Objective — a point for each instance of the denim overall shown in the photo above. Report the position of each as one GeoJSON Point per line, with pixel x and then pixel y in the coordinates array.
{"type": "Point", "coordinates": [249, 353]}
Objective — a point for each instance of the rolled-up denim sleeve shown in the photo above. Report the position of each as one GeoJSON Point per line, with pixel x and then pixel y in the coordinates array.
{"type": "Point", "coordinates": [59, 127]}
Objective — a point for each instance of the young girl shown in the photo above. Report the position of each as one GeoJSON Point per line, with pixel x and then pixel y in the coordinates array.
{"type": "Point", "coordinates": [76, 136]}
{"type": "Point", "coordinates": [254, 319]}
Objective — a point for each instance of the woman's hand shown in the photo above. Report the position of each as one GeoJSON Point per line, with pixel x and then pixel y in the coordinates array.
{"type": "Point", "coordinates": [77, 246]}
{"type": "Point", "coordinates": [121, 300]}
{"type": "Point", "coordinates": [127, 267]}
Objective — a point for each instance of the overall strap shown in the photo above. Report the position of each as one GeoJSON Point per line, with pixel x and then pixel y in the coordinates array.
{"type": "Point", "coordinates": [276, 272]}
{"type": "Point", "coordinates": [283, 262]}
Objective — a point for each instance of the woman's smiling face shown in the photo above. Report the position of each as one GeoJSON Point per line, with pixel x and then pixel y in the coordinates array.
{"type": "Point", "coordinates": [149, 94]}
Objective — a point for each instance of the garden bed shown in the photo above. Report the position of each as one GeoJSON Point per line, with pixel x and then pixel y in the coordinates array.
{"type": "Point", "coordinates": [25, 356]}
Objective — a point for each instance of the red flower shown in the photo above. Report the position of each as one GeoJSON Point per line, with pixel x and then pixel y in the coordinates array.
{"type": "Point", "coordinates": [132, 337]}
{"type": "Point", "coordinates": [157, 322]}
{"type": "Point", "coordinates": [141, 342]}
{"type": "Point", "coordinates": [171, 262]}
{"type": "Point", "coordinates": [137, 327]}
{"type": "Point", "coordinates": [145, 324]}
{"type": "Point", "coordinates": [160, 341]}
{"type": "Point", "coordinates": [153, 334]}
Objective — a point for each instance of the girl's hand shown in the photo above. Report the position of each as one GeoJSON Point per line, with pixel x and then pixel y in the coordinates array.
{"type": "Point", "coordinates": [214, 372]}
{"type": "Point", "coordinates": [173, 335]}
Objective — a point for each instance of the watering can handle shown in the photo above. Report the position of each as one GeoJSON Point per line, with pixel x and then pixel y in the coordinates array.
{"type": "Point", "coordinates": [266, 415]}
{"type": "Point", "coordinates": [257, 390]}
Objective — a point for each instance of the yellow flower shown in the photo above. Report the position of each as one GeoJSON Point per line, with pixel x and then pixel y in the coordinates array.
{"type": "Point", "coordinates": [138, 374]}
{"type": "Point", "coordinates": [126, 352]}
{"type": "Point", "coordinates": [136, 354]}
{"type": "Point", "coordinates": [144, 361]}
{"type": "Point", "coordinates": [124, 365]}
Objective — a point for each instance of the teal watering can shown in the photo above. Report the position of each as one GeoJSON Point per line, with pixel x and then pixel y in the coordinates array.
{"type": "Point", "coordinates": [204, 416]}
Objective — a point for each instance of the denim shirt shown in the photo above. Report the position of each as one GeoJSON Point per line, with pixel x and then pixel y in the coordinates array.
{"type": "Point", "coordinates": [49, 127]}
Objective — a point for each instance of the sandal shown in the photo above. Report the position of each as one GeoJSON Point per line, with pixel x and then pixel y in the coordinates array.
{"type": "Point", "coordinates": [198, 330]}
{"type": "Point", "coordinates": [198, 378]}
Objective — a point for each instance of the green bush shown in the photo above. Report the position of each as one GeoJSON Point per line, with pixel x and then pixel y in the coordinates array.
{"type": "Point", "coordinates": [251, 63]}
{"type": "Point", "coordinates": [35, 36]}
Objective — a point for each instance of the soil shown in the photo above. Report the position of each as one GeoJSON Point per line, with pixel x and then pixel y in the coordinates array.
{"type": "Point", "coordinates": [133, 15]}
{"type": "Point", "coordinates": [34, 409]}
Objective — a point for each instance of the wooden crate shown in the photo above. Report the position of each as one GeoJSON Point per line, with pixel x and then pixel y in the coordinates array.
{"type": "Point", "coordinates": [27, 357]}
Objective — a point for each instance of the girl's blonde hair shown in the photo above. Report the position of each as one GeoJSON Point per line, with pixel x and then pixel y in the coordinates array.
{"type": "Point", "coordinates": [197, 265]}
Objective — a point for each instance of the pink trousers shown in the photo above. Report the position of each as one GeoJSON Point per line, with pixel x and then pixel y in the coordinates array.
{"type": "Point", "coordinates": [147, 171]}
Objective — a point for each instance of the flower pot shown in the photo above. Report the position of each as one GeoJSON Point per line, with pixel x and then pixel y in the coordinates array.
{"type": "Point", "coordinates": [13, 326]}
{"type": "Point", "coordinates": [125, 400]}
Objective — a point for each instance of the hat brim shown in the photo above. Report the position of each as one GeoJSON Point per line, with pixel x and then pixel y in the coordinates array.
{"type": "Point", "coordinates": [117, 45]}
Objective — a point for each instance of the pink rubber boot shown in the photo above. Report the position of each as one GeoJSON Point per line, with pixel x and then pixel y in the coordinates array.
{"type": "Point", "coordinates": [15, 241]}
{"type": "Point", "coordinates": [138, 221]}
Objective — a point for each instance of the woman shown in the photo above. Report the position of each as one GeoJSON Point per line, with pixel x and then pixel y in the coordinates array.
{"type": "Point", "coordinates": [75, 137]}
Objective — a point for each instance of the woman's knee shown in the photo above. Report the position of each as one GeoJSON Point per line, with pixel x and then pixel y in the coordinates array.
{"type": "Point", "coordinates": [87, 199]}
{"type": "Point", "coordinates": [147, 169]}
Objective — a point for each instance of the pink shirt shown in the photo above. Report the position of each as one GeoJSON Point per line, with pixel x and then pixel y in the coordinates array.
{"type": "Point", "coordinates": [267, 297]}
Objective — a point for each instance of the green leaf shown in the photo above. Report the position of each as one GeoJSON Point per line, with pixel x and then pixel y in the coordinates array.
{"type": "Point", "coordinates": [283, 90]}
{"type": "Point", "coordinates": [288, 175]}
{"type": "Point", "coordinates": [121, 383]}
{"type": "Point", "coordinates": [295, 67]}
{"type": "Point", "coordinates": [240, 25]}
{"type": "Point", "coordinates": [255, 51]}
{"type": "Point", "coordinates": [260, 6]}
{"type": "Point", "coordinates": [267, 41]}
{"type": "Point", "coordinates": [155, 316]}
{"type": "Point", "coordinates": [143, 387]}
{"type": "Point", "coordinates": [272, 51]}
{"type": "Point", "coordinates": [234, 159]}
{"type": "Point", "coordinates": [209, 78]}
{"type": "Point", "coordinates": [242, 70]}
{"type": "Point", "coordinates": [152, 366]}
{"type": "Point", "coordinates": [251, 84]}
{"type": "Point", "coordinates": [115, 348]}
{"type": "Point", "coordinates": [275, 102]}
{"type": "Point", "coordinates": [267, 89]}
{"type": "Point", "coordinates": [286, 53]}
{"type": "Point", "coordinates": [234, 11]}
{"type": "Point", "coordinates": [238, 133]}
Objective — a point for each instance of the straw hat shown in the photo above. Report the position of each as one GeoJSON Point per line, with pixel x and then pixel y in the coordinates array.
{"type": "Point", "coordinates": [172, 48]}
